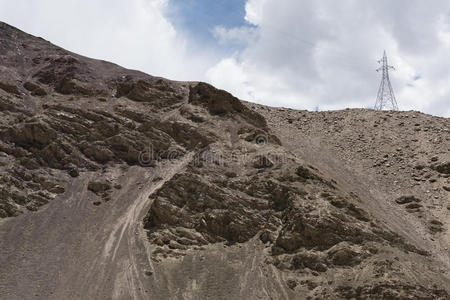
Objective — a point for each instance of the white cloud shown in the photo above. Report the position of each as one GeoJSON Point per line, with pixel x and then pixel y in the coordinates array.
{"type": "Point", "coordinates": [133, 33]}
{"type": "Point", "coordinates": [254, 11]}
{"type": "Point", "coordinates": [323, 53]}
{"type": "Point", "coordinates": [243, 35]}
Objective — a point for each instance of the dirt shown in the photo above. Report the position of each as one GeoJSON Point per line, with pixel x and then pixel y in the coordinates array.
{"type": "Point", "coordinates": [115, 184]}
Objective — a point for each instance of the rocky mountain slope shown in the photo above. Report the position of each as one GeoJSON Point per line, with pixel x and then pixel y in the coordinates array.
{"type": "Point", "coordinates": [116, 184]}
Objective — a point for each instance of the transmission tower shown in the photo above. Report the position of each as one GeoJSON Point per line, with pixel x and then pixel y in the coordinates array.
{"type": "Point", "coordinates": [385, 97]}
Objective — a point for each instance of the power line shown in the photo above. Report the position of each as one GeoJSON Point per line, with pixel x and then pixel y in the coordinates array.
{"type": "Point", "coordinates": [345, 59]}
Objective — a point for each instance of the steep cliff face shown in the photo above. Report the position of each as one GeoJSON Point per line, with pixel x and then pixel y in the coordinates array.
{"type": "Point", "coordinates": [117, 184]}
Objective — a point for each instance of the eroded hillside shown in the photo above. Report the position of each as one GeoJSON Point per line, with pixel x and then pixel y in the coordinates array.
{"type": "Point", "coordinates": [117, 184]}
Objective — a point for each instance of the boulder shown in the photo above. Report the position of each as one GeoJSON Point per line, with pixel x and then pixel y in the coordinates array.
{"type": "Point", "coordinates": [34, 88]}
{"type": "Point", "coordinates": [407, 199]}
{"type": "Point", "coordinates": [99, 187]}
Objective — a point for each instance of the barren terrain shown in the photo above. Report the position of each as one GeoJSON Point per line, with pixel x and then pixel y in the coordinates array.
{"type": "Point", "coordinates": [115, 184]}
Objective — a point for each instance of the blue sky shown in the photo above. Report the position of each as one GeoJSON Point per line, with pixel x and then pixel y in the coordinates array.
{"type": "Point", "coordinates": [198, 18]}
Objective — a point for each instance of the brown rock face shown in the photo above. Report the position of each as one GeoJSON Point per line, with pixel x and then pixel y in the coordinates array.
{"type": "Point", "coordinates": [33, 135]}
{"type": "Point", "coordinates": [115, 184]}
{"type": "Point", "coordinates": [219, 102]}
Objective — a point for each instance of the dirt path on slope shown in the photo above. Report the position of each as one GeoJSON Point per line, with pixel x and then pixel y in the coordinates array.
{"type": "Point", "coordinates": [72, 249]}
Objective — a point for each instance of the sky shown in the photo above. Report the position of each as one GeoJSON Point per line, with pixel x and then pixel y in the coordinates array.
{"type": "Point", "coordinates": [302, 54]}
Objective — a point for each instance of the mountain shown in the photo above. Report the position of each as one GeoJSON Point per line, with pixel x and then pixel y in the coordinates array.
{"type": "Point", "coordinates": [120, 185]}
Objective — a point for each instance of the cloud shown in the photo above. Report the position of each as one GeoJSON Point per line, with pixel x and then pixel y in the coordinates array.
{"type": "Point", "coordinates": [242, 35]}
{"type": "Point", "coordinates": [254, 11]}
{"type": "Point", "coordinates": [323, 53]}
{"type": "Point", "coordinates": [133, 33]}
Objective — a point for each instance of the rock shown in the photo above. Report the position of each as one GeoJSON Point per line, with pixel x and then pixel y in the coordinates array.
{"type": "Point", "coordinates": [34, 134]}
{"type": "Point", "coordinates": [70, 86]}
{"type": "Point", "coordinates": [34, 88]}
{"type": "Point", "coordinates": [307, 259]}
{"type": "Point", "coordinates": [319, 232]}
{"type": "Point", "coordinates": [419, 167]}
{"type": "Point", "coordinates": [358, 213]}
{"type": "Point", "coordinates": [9, 88]}
{"type": "Point", "coordinates": [407, 199]}
{"type": "Point", "coordinates": [216, 101]}
{"type": "Point", "coordinates": [219, 102]}
{"type": "Point", "coordinates": [436, 222]}
{"type": "Point", "coordinates": [98, 187]}
{"type": "Point", "coordinates": [159, 92]}
{"type": "Point", "coordinates": [8, 210]}
{"type": "Point", "coordinates": [338, 202]}
{"type": "Point", "coordinates": [230, 174]}
{"type": "Point", "coordinates": [99, 153]}
{"type": "Point", "coordinates": [57, 189]}
{"type": "Point", "coordinates": [291, 283]}
{"type": "Point", "coordinates": [262, 162]}
{"type": "Point", "coordinates": [280, 197]}
{"type": "Point", "coordinates": [443, 168]}
{"type": "Point", "coordinates": [72, 170]}
{"type": "Point", "coordinates": [305, 173]}
{"type": "Point", "coordinates": [267, 237]}
{"type": "Point", "coordinates": [190, 202]}
{"type": "Point", "coordinates": [435, 226]}
{"type": "Point", "coordinates": [343, 255]}
{"type": "Point", "coordinates": [413, 206]}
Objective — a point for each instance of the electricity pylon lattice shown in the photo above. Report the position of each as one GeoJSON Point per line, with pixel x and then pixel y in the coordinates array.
{"type": "Point", "coordinates": [385, 97]}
